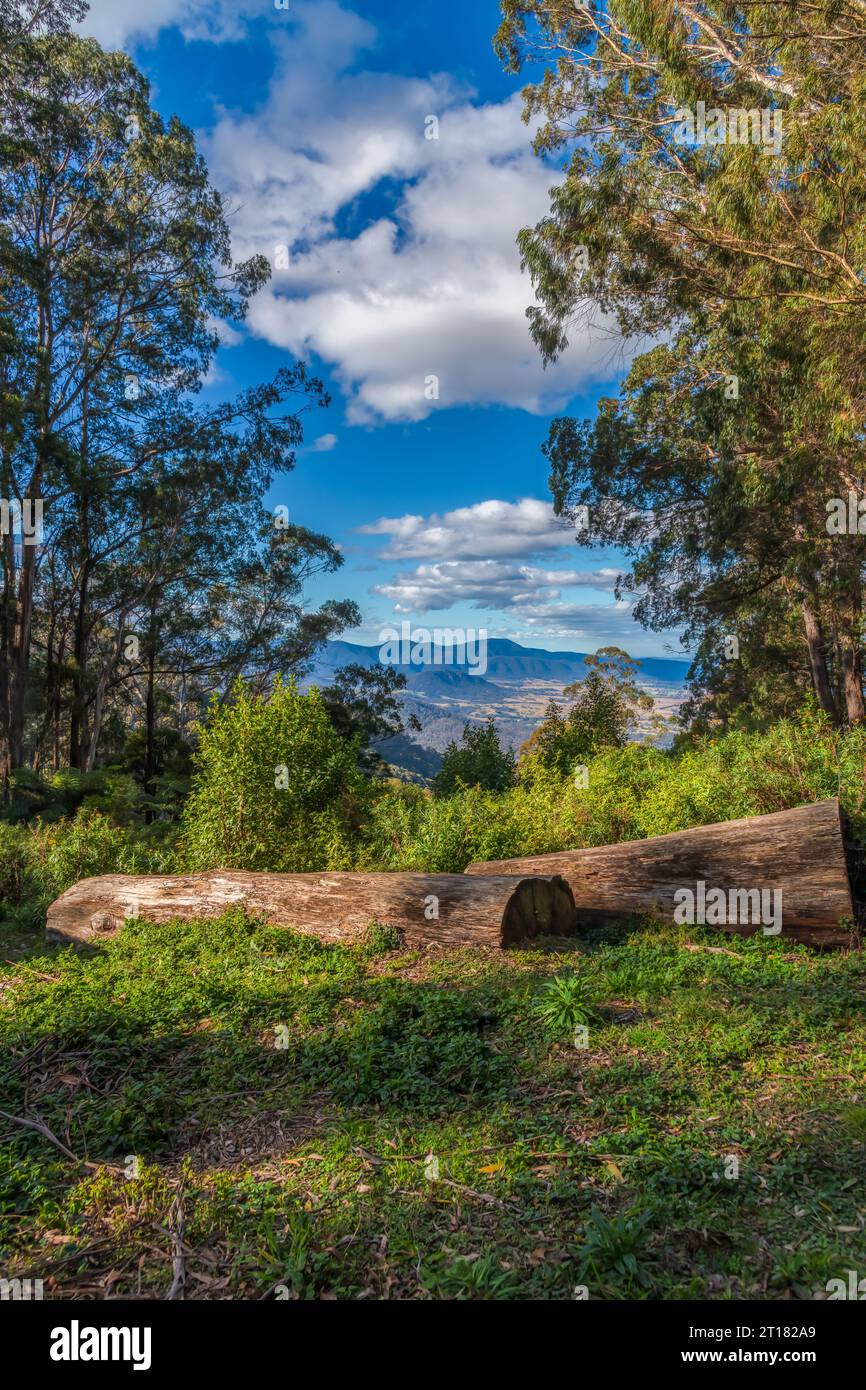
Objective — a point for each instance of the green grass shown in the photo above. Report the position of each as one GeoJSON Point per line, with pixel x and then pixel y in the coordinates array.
{"type": "Point", "coordinates": [276, 1112]}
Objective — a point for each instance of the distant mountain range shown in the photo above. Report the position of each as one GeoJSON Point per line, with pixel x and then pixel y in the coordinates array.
{"type": "Point", "coordinates": [506, 661]}
{"type": "Point", "coordinates": [514, 689]}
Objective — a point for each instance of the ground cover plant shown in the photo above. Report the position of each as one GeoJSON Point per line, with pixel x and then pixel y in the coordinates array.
{"type": "Point", "coordinates": [257, 1114]}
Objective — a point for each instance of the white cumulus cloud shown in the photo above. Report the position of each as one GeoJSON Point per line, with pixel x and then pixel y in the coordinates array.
{"type": "Point", "coordinates": [486, 584]}
{"type": "Point", "coordinates": [486, 529]}
{"type": "Point", "coordinates": [418, 307]}
{"type": "Point", "coordinates": [119, 23]}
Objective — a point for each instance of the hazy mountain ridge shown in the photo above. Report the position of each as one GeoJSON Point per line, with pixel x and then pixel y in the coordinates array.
{"type": "Point", "coordinates": [506, 661]}
{"type": "Point", "coordinates": [514, 690]}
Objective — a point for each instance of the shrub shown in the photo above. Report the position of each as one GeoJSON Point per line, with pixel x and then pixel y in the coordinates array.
{"type": "Point", "coordinates": [57, 797]}
{"type": "Point", "coordinates": [636, 791]}
{"type": "Point", "coordinates": [408, 829]}
{"type": "Point", "coordinates": [275, 787]}
{"type": "Point", "coordinates": [39, 862]}
{"type": "Point", "coordinates": [605, 706]}
{"type": "Point", "coordinates": [478, 760]}
{"type": "Point", "coordinates": [633, 792]}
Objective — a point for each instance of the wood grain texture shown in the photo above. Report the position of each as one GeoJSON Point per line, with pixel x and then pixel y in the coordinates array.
{"type": "Point", "coordinates": [483, 911]}
{"type": "Point", "coordinates": [799, 851]}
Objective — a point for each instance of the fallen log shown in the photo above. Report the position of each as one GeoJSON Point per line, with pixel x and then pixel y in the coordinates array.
{"type": "Point", "coordinates": [798, 853]}
{"type": "Point", "coordinates": [451, 909]}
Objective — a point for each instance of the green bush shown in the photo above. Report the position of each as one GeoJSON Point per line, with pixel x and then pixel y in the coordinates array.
{"type": "Point", "coordinates": [275, 787]}
{"type": "Point", "coordinates": [605, 706]}
{"type": "Point", "coordinates": [59, 796]}
{"type": "Point", "coordinates": [637, 791]}
{"type": "Point", "coordinates": [632, 793]}
{"type": "Point", "coordinates": [478, 760]}
{"type": "Point", "coordinates": [39, 862]}
{"type": "Point", "coordinates": [410, 830]}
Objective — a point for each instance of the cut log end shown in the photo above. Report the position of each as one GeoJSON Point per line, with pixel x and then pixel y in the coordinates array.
{"type": "Point", "coordinates": [538, 907]}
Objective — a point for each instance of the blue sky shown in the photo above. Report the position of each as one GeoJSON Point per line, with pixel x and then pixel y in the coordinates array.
{"type": "Point", "coordinates": [403, 280]}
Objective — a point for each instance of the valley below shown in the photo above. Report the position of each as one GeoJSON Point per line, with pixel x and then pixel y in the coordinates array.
{"type": "Point", "coordinates": [515, 690]}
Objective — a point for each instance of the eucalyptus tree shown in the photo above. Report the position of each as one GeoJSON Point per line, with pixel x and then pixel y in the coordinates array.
{"type": "Point", "coordinates": [115, 275]}
{"type": "Point", "coordinates": [713, 198]}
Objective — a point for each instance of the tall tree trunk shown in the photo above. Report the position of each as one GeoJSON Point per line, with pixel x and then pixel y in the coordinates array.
{"type": "Point", "coordinates": [850, 643]}
{"type": "Point", "coordinates": [58, 708]}
{"type": "Point", "coordinates": [79, 669]}
{"type": "Point", "coordinates": [816, 644]}
{"type": "Point", "coordinates": [77, 729]}
{"type": "Point", "coordinates": [26, 587]}
{"type": "Point", "coordinates": [100, 695]}
{"type": "Point", "coordinates": [150, 722]}
{"type": "Point", "coordinates": [21, 653]}
{"type": "Point", "coordinates": [852, 677]}
{"type": "Point", "coordinates": [7, 631]}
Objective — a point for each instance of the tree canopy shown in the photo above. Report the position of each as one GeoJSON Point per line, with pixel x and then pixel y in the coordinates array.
{"type": "Point", "coordinates": [151, 577]}
{"type": "Point", "coordinates": [478, 760]}
{"type": "Point", "coordinates": [738, 245]}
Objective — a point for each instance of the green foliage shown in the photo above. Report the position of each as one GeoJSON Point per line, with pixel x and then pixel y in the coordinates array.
{"type": "Point", "coordinates": [614, 1252]}
{"type": "Point", "coordinates": [161, 575]}
{"type": "Point", "coordinates": [742, 262]}
{"type": "Point", "coordinates": [275, 786]}
{"type": "Point", "coordinates": [364, 705]}
{"type": "Point", "coordinates": [604, 708]}
{"type": "Point", "coordinates": [39, 863]}
{"type": "Point", "coordinates": [418, 1049]}
{"type": "Point", "coordinates": [107, 790]}
{"type": "Point", "coordinates": [91, 845]}
{"type": "Point", "coordinates": [638, 792]}
{"type": "Point", "coordinates": [564, 1002]}
{"type": "Point", "coordinates": [411, 830]}
{"type": "Point", "coordinates": [163, 772]}
{"type": "Point", "coordinates": [633, 792]}
{"type": "Point", "coordinates": [479, 760]}
{"type": "Point", "coordinates": [380, 938]}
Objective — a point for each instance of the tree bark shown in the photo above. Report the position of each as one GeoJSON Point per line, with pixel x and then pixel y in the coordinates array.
{"type": "Point", "coordinates": [79, 659]}
{"type": "Point", "coordinates": [21, 650]}
{"type": "Point", "coordinates": [850, 639]}
{"type": "Point", "coordinates": [800, 852]}
{"type": "Point", "coordinates": [852, 667]}
{"type": "Point", "coordinates": [448, 909]}
{"type": "Point", "coordinates": [149, 770]}
{"type": "Point", "coordinates": [816, 644]}
{"type": "Point", "coordinates": [7, 632]}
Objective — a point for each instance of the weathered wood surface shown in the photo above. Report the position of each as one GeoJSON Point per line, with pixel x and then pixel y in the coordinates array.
{"type": "Point", "coordinates": [483, 911]}
{"type": "Point", "coordinates": [799, 851]}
